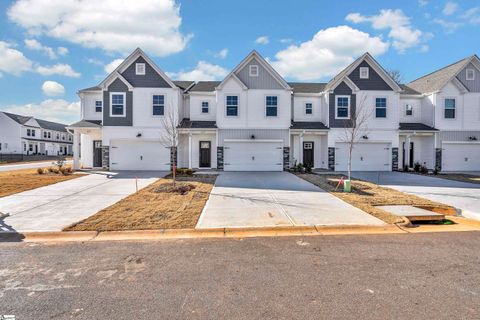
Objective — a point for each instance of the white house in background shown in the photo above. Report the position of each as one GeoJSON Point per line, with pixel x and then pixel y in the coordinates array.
{"type": "Point", "coordinates": [255, 120]}
{"type": "Point", "coordinates": [30, 136]}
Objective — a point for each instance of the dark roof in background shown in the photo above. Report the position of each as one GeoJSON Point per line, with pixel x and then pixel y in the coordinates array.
{"type": "Point", "coordinates": [183, 84]}
{"type": "Point", "coordinates": [416, 127]}
{"type": "Point", "coordinates": [187, 124]}
{"type": "Point", "coordinates": [407, 90]}
{"type": "Point", "coordinates": [44, 124]}
{"type": "Point", "coordinates": [308, 125]}
{"type": "Point", "coordinates": [17, 118]}
{"type": "Point", "coordinates": [86, 124]}
{"type": "Point", "coordinates": [205, 86]}
{"type": "Point", "coordinates": [95, 88]}
{"type": "Point", "coordinates": [307, 87]}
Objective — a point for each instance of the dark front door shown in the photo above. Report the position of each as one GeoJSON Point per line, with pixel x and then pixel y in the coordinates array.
{"type": "Point", "coordinates": [308, 154]}
{"type": "Point", "coordinates": [97, 153]}
{"type": "Point", "coordinates": [410, 159]}
{"type": "Point", "coordinates": [205, 154]}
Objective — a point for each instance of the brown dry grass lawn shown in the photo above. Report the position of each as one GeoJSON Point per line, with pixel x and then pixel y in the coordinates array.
{"type": "Point", "coordinates": [366, 196]}
{"type": "Point", "coordinates": [12, 182]}
{"type": "Point", "coordinates": [460, 177]}
{"type": "Point", "coordinates": [153, 208]}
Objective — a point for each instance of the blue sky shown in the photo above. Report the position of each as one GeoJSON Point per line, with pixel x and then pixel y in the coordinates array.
{"type": "Point", "coordinates": [49, 49]}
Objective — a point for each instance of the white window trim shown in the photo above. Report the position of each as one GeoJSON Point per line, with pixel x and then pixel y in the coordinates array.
{"type": "Point", "coordinates": [265, 103]}
{"type": "Point", "coordinates": [101, 102]}
{"type": "Point", "coordinates": [305, 109]}
{"type": "Point", "coordinates": [473, 74]}
{"type": "Point", "coordinates": [208, 103]}
{"type": "Point", "coordinates": [250, 70]}
{"type": "Point", "coordinates": [124, 105]}
{"type": "Point", "coordinates": [444, 108]}
{"type": "Point", "coordinates": [367, 69]}
{"type": "Point", "coordinates": [337, 106]}
{"type": "Point", "coordinates": [408, 115]}
{"type": "Point", "coordinates": [136, 69]}
{"type": "Point", "coordinates": [164, 103]}
{"type": "Point", "coordinates": [238, 105]}
{"type": "Point", "coordinates": [386, 107]}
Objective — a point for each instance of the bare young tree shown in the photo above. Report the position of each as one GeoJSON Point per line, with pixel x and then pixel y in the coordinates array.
{"type": "Point", "coordinates": [396, 75]}
{"type": "Point", "coordinates": [356, 128]}
{"type": "Point", "coordinates": [169, 134]}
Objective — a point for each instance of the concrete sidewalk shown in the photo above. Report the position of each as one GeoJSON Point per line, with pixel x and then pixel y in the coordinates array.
{"type": "Point", "coordinates": [53, 207]}
{"type": "Point", "coordinates": [31, 165]}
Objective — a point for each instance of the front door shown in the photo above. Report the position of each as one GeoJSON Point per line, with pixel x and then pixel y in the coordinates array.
{"type": "Point", "coordinates": [205, 154]}
{"type": "Point", "coordinates": [97, 153]}
{"type": "Point", "coordinates": [410, 159]}
{"type": "Point", "coordinates": [308, 154]}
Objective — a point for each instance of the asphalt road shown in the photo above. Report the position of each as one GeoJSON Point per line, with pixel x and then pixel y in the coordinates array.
{"type": "Point", "coordinates": [421, 276]}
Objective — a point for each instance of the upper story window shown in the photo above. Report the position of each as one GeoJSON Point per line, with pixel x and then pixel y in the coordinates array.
{"type": "Point", "coordinates": [158, 105]}
{"type": "Point", "coordinates": [253, 70]}
{"type": "Point", "coordinates": [117, 104]}
{"type": "Point", "coordinates": [140, 69]}
{"type": "Point", "coordinates": [58, 136]}
{"type": "Point", "coordinates": [63, 137]}
{"type": "Point", "coordinates": [205, 107]}
{"type": "Point", "coordinates": [449, 108]}
{"type": "Point", "coordinates": [33, 133]}
{"type": "Point", "coordinates": [308, 108]}
{"type": "Point", "coordinates": [69, 138]}
{"type": "Point", "coordinates": [364, 72]}
{"type": "Point", "coordinates": [28, 132]}
{"type": "Point", "coordinates": [342, 107]}
{"type": "Point", "coordinates": [408, 110]}
{"type": "Point", "coordinates": [380, 107]}
{"type": "Point", "coordinates": [271, 106]}
{"type": "Point", "coordinates": [45, 134]}
{"type": "Point", "coordinates": [232, 105]}
{"type": "Point", "coordinates": [49, 135]}
{"type": "Point", "coordinates": [98, 106]}
{"type": "Point", "coordinates": [470, 74]}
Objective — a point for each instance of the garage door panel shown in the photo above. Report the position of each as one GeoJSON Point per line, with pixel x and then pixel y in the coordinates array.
{"type": "Point", "coordinates": [139, 155]}
{"type": "Point", "coordinates": [365, 157]}
{"type": "Point", "coordinates": [460, 156]}
{"type": "Point", "coordinates": [253, 156]}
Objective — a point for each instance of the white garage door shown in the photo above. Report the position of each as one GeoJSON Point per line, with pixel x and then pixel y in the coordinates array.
{"type": "Point", "coordinates": [253, 156]}
{"type": "Point", "coordinates": [138, 155]}
{"type": "Point", "coordinates": [460, 156]}
{"type": "Point", "coordinates": [365, 157]}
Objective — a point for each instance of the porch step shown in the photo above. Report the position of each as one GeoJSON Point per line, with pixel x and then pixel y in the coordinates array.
{"type": "Point", "coordinates": [413, 213]}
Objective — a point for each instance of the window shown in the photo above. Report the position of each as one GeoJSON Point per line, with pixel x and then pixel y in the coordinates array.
{"type": "Point", "coordinates": [49, 135]}
{"type": "Point", "coordinates": [449, 108]}
{"type": "Point", "coordinates": [140, 69]}
{"type": "Point", "coordinates": [158, 105]}
{"type": "Point", "coordinates": [63, 137]}
{"type": "Point", "coordinates": [253, 71]}
{"type": "Point", "coordinates": [342, 107]}
{"type": "Point", "coordinates": [28, 132]}
{"type": "Point", "coordinates": [408, 110]}
{"type": "Point", "coordinates": [30, 147]}
{"type": "Point", "coordinates": [33, 133]}
{"type": "Point", "coordinates": [117, 101]}
{"type": "Point", "coordinates": [45, 134]}
{"type": "Point", "coordinates": [308, 108]}
{"type": "Point", "coordinates": [232, 105]}
{"type": "Point", "coordinates": [364, 72]}
{"type": "Point", "coordinates": [205, 107]}
{"type": "Point", "coordinates": [0, 146]}
{"type": "Point", "coordinates": [58, 136]}
{"type": "Point", "coordinates": [69, 138]}
{"type": "Point", "coordinates": [24, 147]}
{"type": "Point", "coordinates": [380, 107]}
{"type": "Point", "coordinates": [98, 106]}
{"type": "Point", "coordinates": [470, 74]}
{"type": "Point", "coordinates": [271, 104]}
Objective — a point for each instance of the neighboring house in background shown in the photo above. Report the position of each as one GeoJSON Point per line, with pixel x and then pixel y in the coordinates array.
{"type": "Point", "coordinates": [255, 120]}
{"type": "Point", "coordinates": [30, 136]}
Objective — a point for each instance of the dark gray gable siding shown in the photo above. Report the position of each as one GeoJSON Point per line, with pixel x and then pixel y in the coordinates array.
{"type": "Point", "coordinates": [263, 81]}
{"type": "Point", "coordinates": [117, 86]}
{"type": "Point", "coordinates": [374, 81]}
{"type": "Point", "coordinates": [151, 79]}
{"type": "Point", "coordinates": [471, 85]}
{"type": "Point", "coordinates": [341, 89]}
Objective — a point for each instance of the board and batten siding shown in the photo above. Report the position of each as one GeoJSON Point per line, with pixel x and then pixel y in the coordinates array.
{"type": "Point", "coordinates": [260, 134]}
{"type": "Point", "coordinates": [471, 85]}
{"type": "Point", "coordinates": [461, 136]}
{"type": "Point", "coordinates": [344, 90]}
{"type": "Point", "coordinates": [374, 81]}
{"type": "Point", "coordinates": [151, 78]}
{"type": "Point", "coordinates": [118, 86]}
{"type": "Point", "coordinates": [264, 80]}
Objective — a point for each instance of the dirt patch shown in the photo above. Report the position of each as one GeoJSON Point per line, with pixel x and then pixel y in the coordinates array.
{"type": "Point", "coordinates": [12, 182]}
{"type": "Point", "coordinates": [367, 196]}
{"type": "Point", "coordinates": [158, 206]}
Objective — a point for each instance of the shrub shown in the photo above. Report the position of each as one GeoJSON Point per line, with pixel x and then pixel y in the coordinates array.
{"type": "Point", "coordinates": [60, 162]}
{"type": "Point", "coordinates": [184, 171]}
{"type": "Point", "coordinates": [68, 169]}
{"type": "Point", "coordinates": [423, 169]}
{"type": "Point", "coordinates": [40, 171]}
{"type": "Point", "coordinates": [56, 171]}
{"type": "Point", "coordinates": [308, 168]}
{"type": "Point", "coordinates": [417, 166]}
{"type": "Point", "coordinates": [181, 188]}
{"type": "Point", "coordinates": [51, 169]}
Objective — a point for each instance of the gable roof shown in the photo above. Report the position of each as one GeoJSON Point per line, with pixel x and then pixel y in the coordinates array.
{"type": "Point", "coordinates": [94, 88]}
{"type": "Point", "coordinates": [307, 87]}
{"type": "Point", "coordinates": [44, 124]}
{"type": "Point", "coordinates": [205, 86]}
{"type": "Point", "coordinates": [252, 55]}
{"type": "Point", "coordinates": [17, 118]}
{"type": "Point", "coordinates": [184, 85]}
{"type": "Point", "coordinates": [335, 81]}
{"type": "Point", "coordinates": [436, 80]}
{"type": "Point", "coordinates": [408, 91]}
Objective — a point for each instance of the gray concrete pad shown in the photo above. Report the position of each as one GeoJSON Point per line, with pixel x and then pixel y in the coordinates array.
{"type": "Point", "coordinates": [413, 213]}
{"type": "Point", "coordinates": [461, 195]}
{"type": "Point", "coordinates": [269, 199]}
{"type": "Point", "coordinates": [53, 207]}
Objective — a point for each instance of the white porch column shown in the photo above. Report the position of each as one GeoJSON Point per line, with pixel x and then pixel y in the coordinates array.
{"type": "Point", "coordinates": [300, 148]}
{"type": "Point", "coordinates": [190, 151]}
{"type": "Point", "coordinates": [76, 150]}
{"type": "Point", "coordinates": [407, 150]}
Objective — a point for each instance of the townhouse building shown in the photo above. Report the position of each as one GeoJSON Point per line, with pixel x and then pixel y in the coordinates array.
{"type": "Point", "coordinates": [254, 120]}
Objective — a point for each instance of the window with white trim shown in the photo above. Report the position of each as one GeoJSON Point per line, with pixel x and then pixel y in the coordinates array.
{"type": "Point", "coordinates": [449, 112]}
{"type": "Point", "coordinates": [33, 133]}
{"type": "Point", "coordinates": [308, 108]}
{"type": "Point", "coordinates": [271, 105]}
{"type": "Point", "coordinates": [45, 134]}
{"type": "Point", "coordinates": [364, 72]}
{"type": "Point", "coordinates": [158, 105]}
{"type": "Point", "coordinates": [98, 105]}
{"type": "Point", "coordinates": [204, 106]}
{"type": "Point", "coordinates": [408, 109]}
{"type": "Point", "coordinates": [380, 107]}
{"type": "Point", "coordinates": [232, 106]}
{"type": "Point", "coordinates": [253, 70]}
{"type": "Point", "coordinates": [470, 74]}
{"type": "Point", "coordinates": [28, 132]}
{"type": "Point", "coordinates": [140, 69]}
{"type": "Point", "coordinates": [342, 107]}
{"type": "Point", "coordinates": [117, 104]}
{"type": "Point", "coordinates": [49, 135]}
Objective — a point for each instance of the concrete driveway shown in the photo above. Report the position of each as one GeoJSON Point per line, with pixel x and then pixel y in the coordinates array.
{"type": "Point", "coordinates": [30, 165]}
{"type": "Point", "coordinates": [272, 199]}
{"type": "Point", "coordinates": [56, 206]}
{"type": "Point", "coordinates": [461, 195]}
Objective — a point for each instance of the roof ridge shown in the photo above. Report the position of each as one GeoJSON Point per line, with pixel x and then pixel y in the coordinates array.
{"type": "Point", "coordinates": [438, 70]}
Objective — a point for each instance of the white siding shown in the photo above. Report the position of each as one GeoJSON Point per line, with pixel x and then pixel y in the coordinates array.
{"type": "Point", "coordinates": [10, 132]}
{"type": "Point", "coordinates": [143, 106]}
{"type": "Point", "coordinates": [88, 105]}
{"type": "Point", "coordinates": [417, 110]}
{"type": "Point", "coordinates": [319, 109]}
{"type": "Point", "coordinates": [196, 107]}
{"type": "Point", "coordinates": [391, 122]}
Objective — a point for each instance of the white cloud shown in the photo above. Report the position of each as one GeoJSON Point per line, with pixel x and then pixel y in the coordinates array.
{"type": "Point", "coordinates": [222, 53]}
{"type": "Point", "coordinates": [472, 15]}
{"type": "Point", "coordinates": [448, 26]}
{"type": "Point", "coordinates": [33, 44]}
{"type": "Point", "coordinates": [262, 40]}
{"type": "Point", "coordinates": [57, 110]}
{"type": "Point", "coordinates": [422, 3]}
{"type": "Point", "coordinates": [60, 69]}
{"type": "Point", "coordinates": [53, 88]}
{"type": "Point", "coordinates": [324, 56]}
{"type": "Point", "coordinates": [62, 51]}
{"type": "Point", "coordinates": [450, 8]}
{"type": "Point", "coordinates": [12, 61]}
{"type": "Point", "coordinates": [153, 25]}
{"type": "Point", "coordinates": [94, 61]}
{"type": "Point", "coordinates": [112, 65]}
{"type": "Point", "coordinates": [402, 33]}
{"type": "Point", "coordinates": [203, 71]}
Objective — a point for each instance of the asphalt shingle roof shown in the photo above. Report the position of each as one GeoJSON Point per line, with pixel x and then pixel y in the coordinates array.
{"type": "Point", "coordinates": [187, 124]}
{"type": "Point", "coordinates": [17, 118]}
{"type": "Point", "coordinates": [183, 84]}
{"type": "Point", "coordinates": [308, 125]}
{"type": "Point", "coordinates": [307, 87]}
{"type": "Point", "coordinates": [95, 88]}
{"type": "Point", "coordinates": [416, 127]}
{"type": "Point", "coordinates": [205, 86]}
{"type": "Point", "coordinates": [44, 124]}
{"type": "Point", "coordinates": [407, 90]}
{"type": "Point", "coordinates": [86, 124]}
